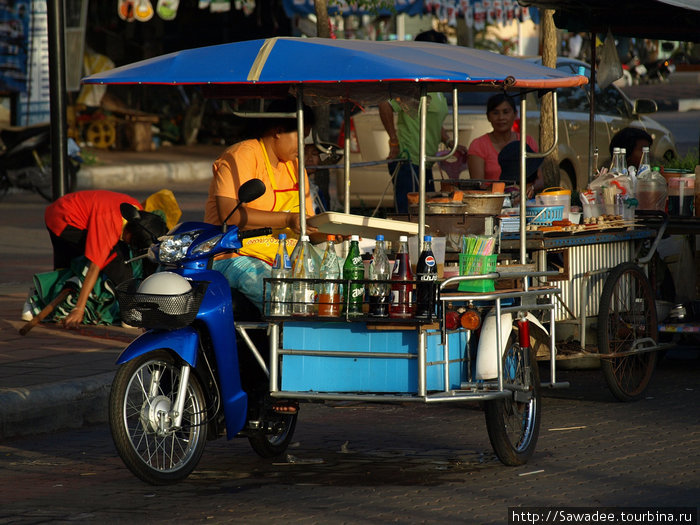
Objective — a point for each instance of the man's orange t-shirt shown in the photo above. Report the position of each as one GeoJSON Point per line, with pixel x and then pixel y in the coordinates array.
{"type": "Point", "coordinates": [245, 161]}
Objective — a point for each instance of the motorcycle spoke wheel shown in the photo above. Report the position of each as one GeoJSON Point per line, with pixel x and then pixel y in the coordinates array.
{"type": "Point", "coordinates": [143, 394]}
{"type": "Point", "coordinates": [627, 313]}
{"type": "Point", "coordinates": [513, 423]}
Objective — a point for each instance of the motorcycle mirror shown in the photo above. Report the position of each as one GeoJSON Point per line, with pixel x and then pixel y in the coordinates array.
{"type": "Point", "coordinates": [251, 190]}
{"type": "Point", "coordinates": [248, 192]}
{"type": "Point", "coordinates": [129, 211]}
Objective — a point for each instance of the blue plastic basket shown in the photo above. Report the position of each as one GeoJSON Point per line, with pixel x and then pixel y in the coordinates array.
{"type": "Point", "coordinates": [548, 214]}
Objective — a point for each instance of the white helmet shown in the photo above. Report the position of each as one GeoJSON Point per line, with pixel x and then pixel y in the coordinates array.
{"type": "Point", "coordinates": [164, 283]}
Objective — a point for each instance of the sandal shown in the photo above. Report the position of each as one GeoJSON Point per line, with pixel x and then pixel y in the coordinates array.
{"type": "Point", "coordinates": [285, 407]}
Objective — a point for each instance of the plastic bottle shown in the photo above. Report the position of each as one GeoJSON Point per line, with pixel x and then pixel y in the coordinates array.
{"type": "Point", "coordinates": [329, 294]}
{"type": "Point", "coordinates": [652, 190]}
{"type": "Point", "coordinates": [280, 293]}
{"type": "Point", "coordinates": [304, 271]}
{"type": "Point", "coordinates": [426, 274]}
{"type": "Point", "coordinates": [644, 162]}
{"type": "Point", "coordinates": [401, 306]}
{"type": "Point", "coordinates": [354, 270]}
{"type": "Point", "coordinates": [379, 270]}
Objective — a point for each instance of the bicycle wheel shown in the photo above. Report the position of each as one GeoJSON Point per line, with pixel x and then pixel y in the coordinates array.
{"type": "Point", "coordinates": [513, 423]}
{"type": "Point", "coordinates": [626, 313]}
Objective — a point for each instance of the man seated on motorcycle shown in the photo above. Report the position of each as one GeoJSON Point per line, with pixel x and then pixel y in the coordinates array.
{"type": "Point", "coordinates": [271, 156]}
{"type": "Point", "coordinates": [89, 223]}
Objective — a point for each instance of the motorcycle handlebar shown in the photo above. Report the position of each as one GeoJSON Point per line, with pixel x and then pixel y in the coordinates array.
{"type": "Point", "coordinates": [258, 232]}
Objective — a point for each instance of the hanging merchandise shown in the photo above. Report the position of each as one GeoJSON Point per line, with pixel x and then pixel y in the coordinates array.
{"type": "Point", "coordinates": [143, 10]}
{"type": "Point", "coordinates": [167, 9]}
{"type": "Point", "coordinates": [220, 6]}
{"type": "Point", "coordinates": [610, 67]}
{"type": "Point", "coordinates": [479, 16]}
{"type": "Point", "coordinates": [125, 8]}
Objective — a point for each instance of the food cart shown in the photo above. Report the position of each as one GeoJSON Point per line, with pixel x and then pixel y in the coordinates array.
{"type": "Point", "coordinates": [385, 359]}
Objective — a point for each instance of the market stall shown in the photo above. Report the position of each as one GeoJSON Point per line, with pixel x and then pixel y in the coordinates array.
{"type": "Point", "coordinates": [328, 351]}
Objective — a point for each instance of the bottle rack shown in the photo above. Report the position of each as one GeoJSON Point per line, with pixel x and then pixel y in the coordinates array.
{"type": "Point", "coordinates": [344, 315]}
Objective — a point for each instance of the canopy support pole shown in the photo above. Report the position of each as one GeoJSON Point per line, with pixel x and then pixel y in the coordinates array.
{"type": "Point", "coordinates": [346, 159]}
{"type": "Point", "coordinates": [591, 114]}
{"type": "Point", "coordinates": [301, 163]}
{"type": "Point", "coordinates": [421, 171]}
{"type": "Point", "coordinates": [523, 179]}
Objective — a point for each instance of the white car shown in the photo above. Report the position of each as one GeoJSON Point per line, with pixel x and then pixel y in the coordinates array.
{"type": "Point", "coordinates": [614, 111]}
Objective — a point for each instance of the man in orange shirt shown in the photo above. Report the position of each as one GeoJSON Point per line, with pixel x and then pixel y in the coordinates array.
{"type": "Point", "coordinates": [273, 158]}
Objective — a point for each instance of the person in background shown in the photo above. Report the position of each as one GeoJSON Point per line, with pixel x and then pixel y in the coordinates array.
{"type": "Point", "coordinates": [90, 223]}
{"type": "Point", "coordinates": [483, 153]}
{"type": "Point", "coordinates": [404, 138]}
{"type": "Point", "coordinates": [272, 156]}
{"type": "Point", "coordinates": [633, 140]}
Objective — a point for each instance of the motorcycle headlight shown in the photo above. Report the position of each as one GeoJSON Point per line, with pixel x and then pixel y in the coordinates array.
{"type": "Point", "coordinates": [174, 247]}
{"type": "Point", "coordinates": [207, 245]}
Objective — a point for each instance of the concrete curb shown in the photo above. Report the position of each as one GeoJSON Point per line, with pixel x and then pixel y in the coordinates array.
{"type": "Point", "coordinates": [130, 176]}
{"type": "Point", "coordinates": [72, 403]}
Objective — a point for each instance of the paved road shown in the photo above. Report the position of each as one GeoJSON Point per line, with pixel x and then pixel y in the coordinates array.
{"type": "Point", "coordinates": [404, 464]}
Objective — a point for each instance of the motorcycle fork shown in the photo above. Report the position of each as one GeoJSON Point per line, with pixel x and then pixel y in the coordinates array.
{"type": "Point", "coordinates": [177, 411]}
{"type": "Point", "coordinates": [524, 343]}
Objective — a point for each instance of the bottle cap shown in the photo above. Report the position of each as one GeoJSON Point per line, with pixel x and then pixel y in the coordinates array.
{"type": "Point", "coordinates": [355, 238]}
{"type": "Point", "coordinates": [380, 237]}
{"type": "Point", "coordinates": [282, 236]}
{"type": "Point", "coordinates": [304, 238]}
{"type": "Point", "coordinates": [330, 238]}
{"type": "Point", "coordinates": [428, 238]}
{"type": "Point", "coordinates": [403, 238]}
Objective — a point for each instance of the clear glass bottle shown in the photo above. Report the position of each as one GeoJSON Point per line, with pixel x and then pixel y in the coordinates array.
{"type": "Point", "coordinates": [329, 293]}
{"type": "Point", "coordinates": [280, 292]}
{"type": "Point", "coordinates": [304, 272]}
{"type": "Point", "coordinates": [379, 270]}
{"type": "Point", "coordinates": [401, 306]}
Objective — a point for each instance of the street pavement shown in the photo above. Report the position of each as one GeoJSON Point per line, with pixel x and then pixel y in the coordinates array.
{"type": "Point", "coordinates": [53, 379]}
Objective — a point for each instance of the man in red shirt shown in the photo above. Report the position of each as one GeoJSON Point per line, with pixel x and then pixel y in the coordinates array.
{"type": "Point", "coordinates": [89, 223]}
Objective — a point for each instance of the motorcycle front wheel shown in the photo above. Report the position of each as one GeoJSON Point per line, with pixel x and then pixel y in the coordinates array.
{"type": "Point", "coordinates": [513, 423]}
{"type": "Point", "coordinates": [141, 400]}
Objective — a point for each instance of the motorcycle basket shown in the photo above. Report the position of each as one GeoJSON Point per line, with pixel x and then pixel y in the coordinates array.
{"type": "Point", "coordinates": [164, 312]}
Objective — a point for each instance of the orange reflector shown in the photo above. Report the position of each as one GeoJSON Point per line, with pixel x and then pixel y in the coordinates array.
{"type": "Point", "coordinates": [471, 320]}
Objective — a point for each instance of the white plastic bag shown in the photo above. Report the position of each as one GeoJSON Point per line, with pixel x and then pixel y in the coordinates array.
{"type": "Point", "coordinates": [610, 67]}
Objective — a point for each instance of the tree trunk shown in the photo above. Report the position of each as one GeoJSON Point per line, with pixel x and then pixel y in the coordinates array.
{"type": "Point", "coordinates": [550, 166]}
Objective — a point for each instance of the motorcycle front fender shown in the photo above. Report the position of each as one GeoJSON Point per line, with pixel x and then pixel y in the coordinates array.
{"type": "Point", "coordinates": [185, 343]}
{"type": "Point", "coordinates": [487, 360]}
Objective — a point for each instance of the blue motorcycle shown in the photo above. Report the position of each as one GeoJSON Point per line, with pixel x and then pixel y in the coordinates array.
{"type": "Point", "coordinates": [180, 382]}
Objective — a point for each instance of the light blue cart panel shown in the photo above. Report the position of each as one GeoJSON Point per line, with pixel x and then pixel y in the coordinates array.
{"type": "Point", "coordinates": [304, 373]}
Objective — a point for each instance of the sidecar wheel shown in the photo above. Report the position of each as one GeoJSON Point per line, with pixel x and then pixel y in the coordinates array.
{"type": "Point", "coordinates": [513, 423]}
{"type": "Point", "coordinates": [143, 392]}
{"type": "Point", "coordinates": [273, 439]}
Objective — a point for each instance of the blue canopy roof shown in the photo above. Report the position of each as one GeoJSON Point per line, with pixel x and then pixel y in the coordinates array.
{"type": "Point", "coordinates": [338, 65]}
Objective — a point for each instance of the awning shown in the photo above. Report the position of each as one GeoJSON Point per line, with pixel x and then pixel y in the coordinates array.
{"type": "Point", "coordinates": [340, 69]}
{"type": "Point", "coordinates": [654, 19]}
